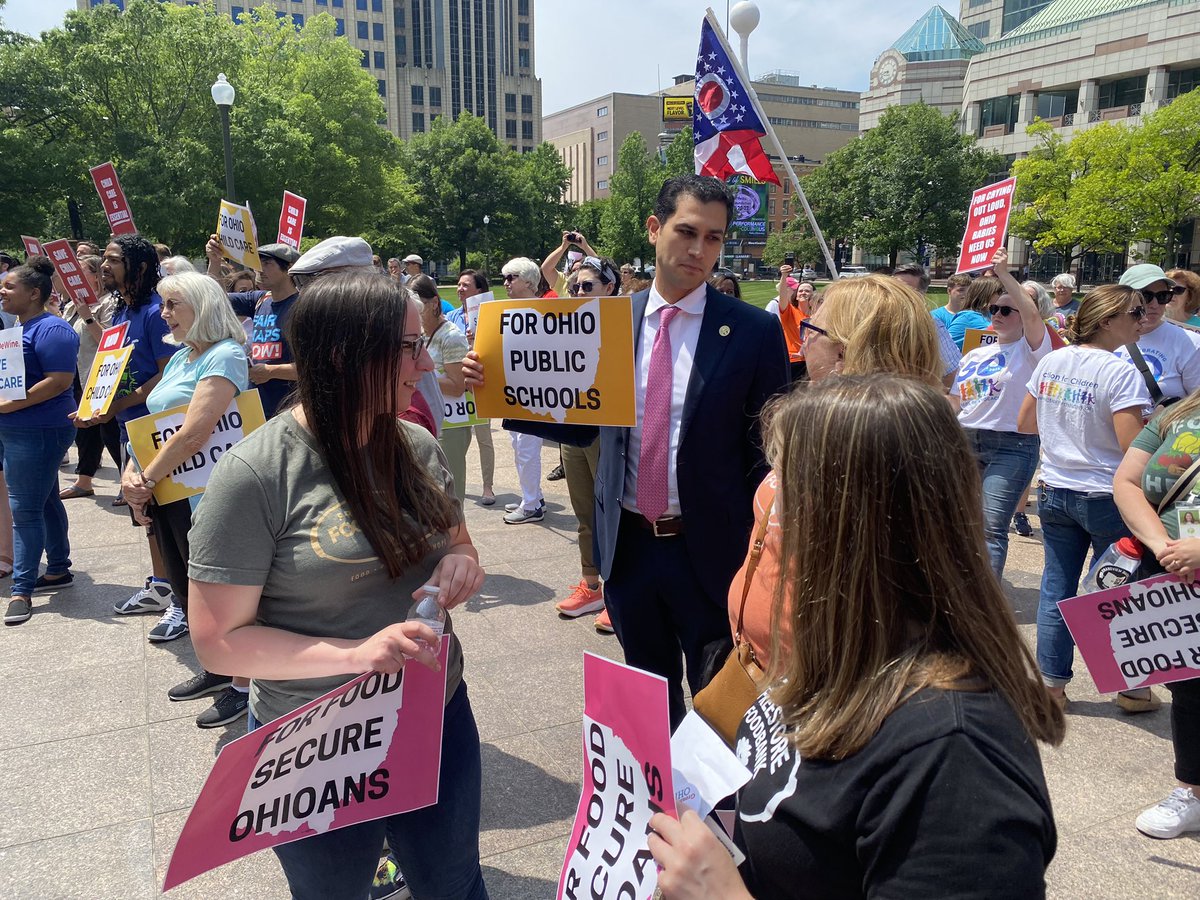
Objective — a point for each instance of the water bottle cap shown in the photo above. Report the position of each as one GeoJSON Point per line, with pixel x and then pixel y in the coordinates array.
{"type": "Point", "coordinates": [1130, 547]}
{"type": "Point", "coordinates": [432, 589]}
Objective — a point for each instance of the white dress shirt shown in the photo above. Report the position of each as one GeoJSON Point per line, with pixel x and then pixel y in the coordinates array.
{"type": "Point", "coordinates": [685, 334]}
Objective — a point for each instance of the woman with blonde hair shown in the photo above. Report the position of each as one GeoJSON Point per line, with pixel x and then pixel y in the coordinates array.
{"type": "Point", "coordinates": [863, 750]}
{"type": "Point", "coordinates": [1086, 405]}
{"type": "Point", "coordinates": [865, 325]}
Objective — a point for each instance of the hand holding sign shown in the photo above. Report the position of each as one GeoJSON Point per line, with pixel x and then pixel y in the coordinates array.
{"type": "Point", "coordinates": [987, 225]}
{"type": "Point", "coordinates": [692, 862]}
{"type": "Point", "coordinates": [238, 235]}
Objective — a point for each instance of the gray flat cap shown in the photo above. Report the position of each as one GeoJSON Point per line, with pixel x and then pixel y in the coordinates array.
{"type": "Point", "coordinates": [335, 253]}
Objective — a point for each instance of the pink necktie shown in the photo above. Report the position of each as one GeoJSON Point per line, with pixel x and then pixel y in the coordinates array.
{"type": "Point", "coordinates": [656, 423]}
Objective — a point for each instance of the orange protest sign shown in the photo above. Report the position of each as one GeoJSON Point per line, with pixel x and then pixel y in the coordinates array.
{"type": "Point", "coordinates": [568, 361]}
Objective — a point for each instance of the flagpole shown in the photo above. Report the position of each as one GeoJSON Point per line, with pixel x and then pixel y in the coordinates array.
{"type": "Point", "coordinates": [812, 220]}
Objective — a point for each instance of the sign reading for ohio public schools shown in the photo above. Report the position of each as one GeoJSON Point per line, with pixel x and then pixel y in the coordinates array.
{"type": "Point", "coordinates": [1137, 634]}
{"type": "Point", "coordinates": [148, 434]}
{"type": "Point", "coordinates": [238, 236]}
{"type": "Point", "coordinates": [112, 356]}
{"type": "Point", "coordinates": [677, 109]}
{"type": "Point", "coordinates": [460, 412]}
{"type": "Point", "coordinates": [564, 361]}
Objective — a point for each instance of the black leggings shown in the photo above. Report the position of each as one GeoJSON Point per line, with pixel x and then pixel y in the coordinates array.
{"type": "Point", "coordinates": [171, 525]}
{"type": "Point", "coordinates": [91, 443]}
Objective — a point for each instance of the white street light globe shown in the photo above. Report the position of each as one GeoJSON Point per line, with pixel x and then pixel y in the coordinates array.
{"type": "Point", "coordinates": [744, 18]}
{"type": "Point", "coordinates": [223, 92]}
{"type": "Point", "coordinates": [487, 219]}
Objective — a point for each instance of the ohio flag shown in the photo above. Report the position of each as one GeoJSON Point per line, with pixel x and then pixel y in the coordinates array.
{"type": "Point", "coordinates": [725, 126]}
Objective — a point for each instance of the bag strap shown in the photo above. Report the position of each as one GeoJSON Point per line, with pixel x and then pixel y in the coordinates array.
{"type": "Point", "coordinates": [1179, 487]}
{"type": "Point", "coordinates": [1135, 355]}
{"type": "Point", "coordinates": [756, 549]}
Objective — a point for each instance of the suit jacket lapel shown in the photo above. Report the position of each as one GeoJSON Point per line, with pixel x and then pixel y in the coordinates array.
{"type": "Point", "coordinates": [710, 347]}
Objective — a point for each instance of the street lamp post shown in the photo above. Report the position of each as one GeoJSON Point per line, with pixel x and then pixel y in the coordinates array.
{"type": "Point", "coordinates": [486, 256]}
{"type": "Point", "coordinates": [223, 95]}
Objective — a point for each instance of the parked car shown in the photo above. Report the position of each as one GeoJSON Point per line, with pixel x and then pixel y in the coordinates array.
{"type": "Point", "coordinates": [854, 271]}
{"type": "Point", "coordinates": [808, 273]}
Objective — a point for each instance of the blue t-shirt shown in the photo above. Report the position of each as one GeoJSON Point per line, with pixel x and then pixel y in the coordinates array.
{"type": "Point", "coordinates": [146, 333]}
{"type": "Point", "coordinates": [269, 346]}
{"type": "Point", "coordinates": [958, 323]}
{"type": "Point", "coordinates": [224, 359]}
{"type": "Point", "coordinates": [49, 345]}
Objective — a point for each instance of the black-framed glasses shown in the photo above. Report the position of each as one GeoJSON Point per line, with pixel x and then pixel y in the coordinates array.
{"type": "Point", "coordinates": [414, 347]}
{"type": "Point", "coordinates": [1001, 310]}
{"type": "Point", "coordinates": [582, 287]}
{"type": "Point", "coordinates": [1163, 297]}
{"type": "Point", "coordinates": [807, 326]}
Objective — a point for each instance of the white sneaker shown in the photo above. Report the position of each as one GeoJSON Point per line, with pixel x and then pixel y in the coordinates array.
{"type": "Point", "coordinates": [173, 624]}
{"type": "Point", "coordinates": [156, 596]}
{"type": "Point", "coordinates": [1177, 814]}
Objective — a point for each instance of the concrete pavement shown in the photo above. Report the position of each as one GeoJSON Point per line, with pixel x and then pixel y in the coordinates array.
{"type": "Point", "coordinates": [101, 769]}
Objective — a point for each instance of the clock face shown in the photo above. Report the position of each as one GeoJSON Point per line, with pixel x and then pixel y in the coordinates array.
{"type": "Point", "coordinates": [888, 70]}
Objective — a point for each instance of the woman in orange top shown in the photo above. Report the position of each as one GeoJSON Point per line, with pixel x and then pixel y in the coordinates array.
{"type": "Point", "coordinates": [863, 326]}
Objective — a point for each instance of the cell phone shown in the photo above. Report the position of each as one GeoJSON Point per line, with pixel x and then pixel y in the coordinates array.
{"type": "Point", "coordinates": [789, 261]}
{"type": "Point", "coordinates": [573, 237]}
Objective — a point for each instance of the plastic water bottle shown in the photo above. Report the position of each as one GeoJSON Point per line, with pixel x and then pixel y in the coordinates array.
{"type": "Point", "coordinates": [1115, 567]}
{"type": "Point", "coordinates": [428, 610]}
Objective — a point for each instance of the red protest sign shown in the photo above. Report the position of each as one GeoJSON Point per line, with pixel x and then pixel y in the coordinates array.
{"type": "Point", "coordinates": [291, 219]}
{"type": "Point", "coordinates": [33, 247]}
{"type": "Point", "coordinates": [1139, 634]}
{"type": "Point", "coordinates": [113, 338]}
{"type": "Point", "coordinates": [369, 749]}
{"type": "Point", "coordinates": [627, 778]}
{"type": "Point", "coordinates": [108, 186]}
{"type": "Point", "coordinates": [67, 266]}
{"type": "Point", "coordinates": [987, 225]}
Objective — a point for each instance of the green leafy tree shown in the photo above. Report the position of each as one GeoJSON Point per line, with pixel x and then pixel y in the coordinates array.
{"type": "Point", "coordinates": [681, 154]}
{"type": "Point", "coordinates": [541, 180]}
{"type": "Point", "coordinates": [796, 240]}
{"type": "Point", "coordinates": [632, 190]}
{"type": "Point", "coordinates": [586, 218]}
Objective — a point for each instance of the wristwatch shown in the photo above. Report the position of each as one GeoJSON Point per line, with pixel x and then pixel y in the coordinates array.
{"type": "Point", "coordinates": [149, 482]}
{"type": "Point", "coordinates": [90, 321]}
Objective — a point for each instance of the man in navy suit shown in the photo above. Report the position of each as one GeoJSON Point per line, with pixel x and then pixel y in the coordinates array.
{"type": "Point", "coordinates": [674, 494]}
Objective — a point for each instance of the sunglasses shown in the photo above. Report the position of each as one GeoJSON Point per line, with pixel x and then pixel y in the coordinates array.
{"type": "Point", "coordinates": [1001, 310]}
{"type": "Point", "coordinates": [582, 287]}
{"type": "Point", "coordinates": [1137, 312]}
{"type": "Point", "coordinates": [414, 347]}
{"type": "Point", "coordinates": [806, 326]}
{"type": "Point", "coordinates": [510, 278]}
{"type": "Point", "coordinates": [1163, 297]}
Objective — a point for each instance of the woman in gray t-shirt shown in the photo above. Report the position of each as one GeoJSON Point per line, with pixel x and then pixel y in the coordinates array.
{"type": "Point", "coordinates": [315, 536]}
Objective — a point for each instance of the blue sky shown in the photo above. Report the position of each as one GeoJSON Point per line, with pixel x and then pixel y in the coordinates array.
{"type": "Point", "coordinates": [584, 50]}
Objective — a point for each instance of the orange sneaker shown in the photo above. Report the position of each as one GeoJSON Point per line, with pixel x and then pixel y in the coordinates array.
{"type": "Point", "coordinates": [583, 600]}
{"type": "Point", "coordinates": [604, 623]}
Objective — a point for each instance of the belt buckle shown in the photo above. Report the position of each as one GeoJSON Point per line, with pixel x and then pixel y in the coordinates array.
{"type": "Point", "coordinates": [661, 534]}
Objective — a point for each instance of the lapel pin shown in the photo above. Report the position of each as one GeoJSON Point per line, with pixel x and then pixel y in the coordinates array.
{"type": "Point", "coordinates": [723, 331]}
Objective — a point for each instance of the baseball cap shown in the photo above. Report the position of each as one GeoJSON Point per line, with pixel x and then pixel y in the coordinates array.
{"type": "Point", "coordinates": [335, 253]}
{"type": "Point", "coordinates": [413, 258]}
{"type": "Point", "coordinates": [283, 253]}
{"type": "Point", "coordinates": [1137, 277]}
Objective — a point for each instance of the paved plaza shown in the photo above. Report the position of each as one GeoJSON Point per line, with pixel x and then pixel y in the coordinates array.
{"type": "Point", "coordinates": [101, 769]}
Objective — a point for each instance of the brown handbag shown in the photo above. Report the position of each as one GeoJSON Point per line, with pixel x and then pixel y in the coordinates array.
{"type": "Point", "coordinates": [723, 702]}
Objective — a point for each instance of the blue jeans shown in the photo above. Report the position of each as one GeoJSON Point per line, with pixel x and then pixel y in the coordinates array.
{"type": "Point", "coordinates": [31, 458]}
{"type": "Point", "coordinates": [1007, 461]}
{"type": "Point", "coordinates": [1072, 521]}
{"type": "Point", "coordinates": [437, 848]}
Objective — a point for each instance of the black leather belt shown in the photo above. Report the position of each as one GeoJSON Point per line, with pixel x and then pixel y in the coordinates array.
{"type": "Point", "coordinates": [668, 526]}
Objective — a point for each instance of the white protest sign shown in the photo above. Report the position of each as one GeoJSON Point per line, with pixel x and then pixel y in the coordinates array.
{"type": "Point", "coordinates": [473, 304]}
{"type": "Point", "coordinates": [12, 364]}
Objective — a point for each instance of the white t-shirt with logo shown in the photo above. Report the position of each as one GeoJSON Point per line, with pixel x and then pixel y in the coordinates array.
{"type": "Point", "coordinates": [1172, 358]}
{"type": "Point", "coordinates": [991, 381]}
{"type": "Point", "coordinates": [1078, 389]}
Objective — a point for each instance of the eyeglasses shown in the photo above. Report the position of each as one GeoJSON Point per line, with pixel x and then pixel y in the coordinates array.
{"type": "Point", "coordinates": [1163, 297]}
{"type": "Point", "coordinates": [806, 326]}
{"type": "Point", "coordinates": [414, 347]}
{"type": "Point", "coordinates": [172, 305]}
{"type": "Point", "coordinates": [1001, 310]}
{"type": "Point", "coordinates": [1137, 312]}
{"type": "Point", "coordinates": [581, 287]}
{"type": "Point", "coordinates": [510, 278]}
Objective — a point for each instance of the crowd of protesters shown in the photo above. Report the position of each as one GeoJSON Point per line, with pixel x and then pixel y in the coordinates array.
{"type": "Point", "coordinates": [829, 420]}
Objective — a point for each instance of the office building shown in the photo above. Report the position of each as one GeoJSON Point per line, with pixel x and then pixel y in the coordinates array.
{"type": "Point", "coordinates": [431, 58]}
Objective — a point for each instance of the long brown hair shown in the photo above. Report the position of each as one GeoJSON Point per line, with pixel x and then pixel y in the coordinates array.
{"type": "Point", "coordinates": [1098, 306]}
{"type": "Point", "coordinates": [345, 332]}
{"type": "Point", "coordinates": [885, 585]}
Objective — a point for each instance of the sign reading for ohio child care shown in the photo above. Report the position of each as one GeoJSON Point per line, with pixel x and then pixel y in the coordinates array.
{"type": "Point", "coordinates": [1137, 634]}
{"type": "Point", "coordinates": [112, 357]}
{"type": "Point", "coordinates": [148, 434]}
{"type": "Point", "coordinates": [987, 225]}
{"type": "Point", "coordinates": [627, 778]}
{"type": "Point", "coordinates": [369, 749]}
{"type": "Point", "coordinates": [238, 235]}
{"type": "Point", "coordinates": [565, 361]}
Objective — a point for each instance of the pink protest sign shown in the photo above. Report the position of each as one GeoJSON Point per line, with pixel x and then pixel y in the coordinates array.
{"type": "Point", "coordinates": [33, 247]}
{"type": "Point", "coordinates": [1138, 634]}
{"type": "Point", "coordinates": [108, 187]}
{"type": "Point", "coordinates": [68, 269]}
{"type": "Point", "coordinates": [291, 219]}
{"type": "Point", "coordinates": [370, 749]}
{"type": "Point", "coordinates": [626, 780]}
{"type": "Point", "coordinates": [987, 225]}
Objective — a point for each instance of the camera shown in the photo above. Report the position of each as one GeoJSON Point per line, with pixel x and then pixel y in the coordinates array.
{"type": "Point", "coordinates": [573, 237]}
